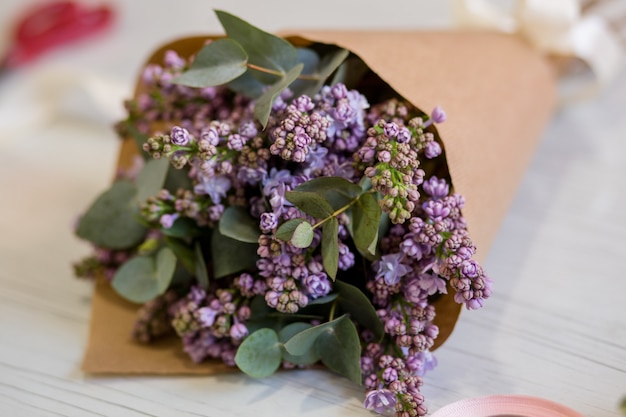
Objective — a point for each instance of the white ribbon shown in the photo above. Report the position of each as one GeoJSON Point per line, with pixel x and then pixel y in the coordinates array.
{"type": "Point", "coordinates": [555, 27]}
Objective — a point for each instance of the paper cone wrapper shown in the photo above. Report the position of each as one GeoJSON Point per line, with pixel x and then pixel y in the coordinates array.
{"type": "Point", "coordinates": [498, 94]}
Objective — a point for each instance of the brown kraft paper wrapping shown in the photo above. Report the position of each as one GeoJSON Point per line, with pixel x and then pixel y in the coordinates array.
{"type": "Point", "coordinates": [498, 94]}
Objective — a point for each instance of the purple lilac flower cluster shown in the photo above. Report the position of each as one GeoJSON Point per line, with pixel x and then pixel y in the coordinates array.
{"type": "Point", "coordinates": [232, 162]}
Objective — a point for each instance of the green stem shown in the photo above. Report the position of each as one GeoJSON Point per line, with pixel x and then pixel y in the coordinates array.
{"type": "Point", "coordinates": [331, 315]}
{"type": "Point", "coordinates": [342, 209]}
{"type": "Point", "coordinates": [309, 77]}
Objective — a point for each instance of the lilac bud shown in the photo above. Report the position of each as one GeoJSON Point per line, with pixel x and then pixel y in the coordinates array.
{"type": "Point", "coordinates": [391, 130]}
{"type": "Point", "coordinates": [238, 331]}
{"type": "Point", "coordinates": [384, 156]}
{"type": "Point", "coordinates": [404, 135]}
{"type": "Point", "coordinates": [436, 188]}
{"type": "Point", "coordinates": [206, 316]}
{"type": "Point", "coordinates": [438, 115]}
{"type": "Point", "coordinates": [167, 220]}
{"type": "Point", "coordinates": [432, 150]}
{"type": "Point", "coordinates": [236, 142]}
{"type": "Point", "coordinates": [180, 136]}
{"type": "Point", "coordinates": [390, 375]}
{"type": "Point", "coordinates": [380, 400]}
{"type": "Point", "coordinates": [269, 221]}
{"type": "Point", "coordinates": [339, 91]}
{"type": "Point", "coordinates": [211, 136]}
{"type": "Point", "coordinates": [173, 60]}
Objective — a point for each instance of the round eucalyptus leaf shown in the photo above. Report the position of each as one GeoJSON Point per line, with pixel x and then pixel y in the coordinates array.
{"type": "Point", "coordinates": [260, 354]}
{"type": "Point", "coordinates": [286, 333]}
{"type": "Point", "coordinates": [111, 221]}
{"type": "Point", "coordinates": [143, 278]}
{"type": "Point", "coordinates": [302, 235]}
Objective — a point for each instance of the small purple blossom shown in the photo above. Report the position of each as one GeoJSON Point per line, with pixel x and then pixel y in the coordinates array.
{"type": "Point", "coordinates": [206, 316]}
{"type": "Point", "coordinates": [432, 284]}
{"type": "Point", "coordinates": [215, 186]}
{"type": "Point", "coordinates": [269, 221]}
{"type": "Point", "coordinates": [432, 150]}
{"type": "Point", "coordinates": [180, 136]}
{"type": "Point", "coordinates": [391, 269]}
{"type": "Point", "coordinates": [391, 130]}
{"type": "Point", "coordinates": [167, 220]}
{"type": "Point", "coordinates": [436, 188]}
{"type": "Point", "coordinates": [404, 135]}
{"type": "Point", "coordinates": [316, 285]}
{"type": "Point", "coordinates": [238, 331]}
{"type": "Point", "coordinates": [380, 400]}
{"type": "Point", "coordinates": [436, 116]}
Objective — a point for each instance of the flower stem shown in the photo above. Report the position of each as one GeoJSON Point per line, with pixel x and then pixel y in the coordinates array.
{"type": "Point", "coordinates": [342, 209]}
{"type": "Point", "coordinates": [309, 77]}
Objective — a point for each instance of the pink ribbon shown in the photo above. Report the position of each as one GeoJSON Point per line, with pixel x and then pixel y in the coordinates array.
{"type": "Point", "coordinates": [505, 405]}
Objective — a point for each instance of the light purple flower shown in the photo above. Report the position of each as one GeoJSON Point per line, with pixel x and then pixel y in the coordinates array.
{"type": "Point", "coordinates": [274, 179]}
{"type": "Point", "coordinates": [238, 331]}
{"type": "Point", "coordinates": [432, 150]}
{"type": "Point", "coordinates": [404, 135]}
{"type": "Point", "coordinates": [180, 136]}
{"type": "Point", "coordinates": [167, 220]}
{"type": "Point", "coordinates": [391, 130]}
{"type": "Point", "coordinates": [380, 400]}
{"type": "Point", "coordinates": [206, 316]}
{"type": "Point", "coordinates": [316, 285]}
{"type": "Point", "coordinates": [215, 186]}
{"type": "Point", "coordinates": [429, 362]}
{"type": "Point", "coordinates": [268, 222]}
{"type": "Point", "coordinates": [438, 115]}
{"type": "Point", "coordinates": [390, 269]}
{"type": "Point", "coordinates": [436, 188]}
{"type": "Point", "coordinates": [211, 136]}
{"type": "Point", "coordinates": [432, 284]}
{"type": "Point", "coordinates": [173, 60]}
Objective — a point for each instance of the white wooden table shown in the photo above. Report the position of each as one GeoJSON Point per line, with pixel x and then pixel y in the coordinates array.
{"type": "Point", "coordinates": [555, 326]}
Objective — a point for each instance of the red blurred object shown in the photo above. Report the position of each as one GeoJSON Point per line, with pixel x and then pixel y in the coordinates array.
{"type": "Point", "coordinates": [52, 24]}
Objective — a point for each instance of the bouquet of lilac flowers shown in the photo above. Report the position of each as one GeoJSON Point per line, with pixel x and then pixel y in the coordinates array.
{"type": "Point", "coordinates": [290, 208]}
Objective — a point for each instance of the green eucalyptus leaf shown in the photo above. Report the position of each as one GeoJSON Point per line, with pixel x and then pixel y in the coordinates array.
{"type": "Point", "coordinates": [111, 221]}
{"type": "Point", "coordinates": [302, 235]}
{"type": "Point", "coordinates": [183, 227]}
{"type": "Point", "coordinates": [330, 247]}
{"type": "Point", "coordinates": [311, 61]}
{"type": "Point", "coordinates": [264, 49]}
{"type": "Point", "coordinates": [311, 203]}
{"type": "Point", "coordinates": [354, 302]}
{"type": "Point", "coordinates": [323, 300]}
{"type": "Point", "coordinates": [230, 256]}
{"type": "Point", "coordinates": [337, 191]}
{"type": "Point", "coordinates": [260, 354]}
{"type": "Point", "coordinates": [285, 230]}
{"type": "Point", "coordinates": [151, 178]}
{"type": "Point", "coordinates": [247, 85]}
{"type": "Point", "coordinates": [177, 179]}
{"type": "Point", "coordinates": [304, 341]}
{"type": "Point", "coordinates": [216, 63]}
{"type": "Point", "coordinates": [330, 62]}
{"type": "Point", "coordinates": [183, 251]}
{"type": "Point", "coordinates": [237, 224]}
{"type": "Point", "coordinates": [287, 333]}
{"type": "Point", "coordinates": [339, 348]}
{"type": "Point", "coordinates": [143, 278]}
{"type": "Point", "coordinates": [366, 214]}
{"type": "Point", "coordinates": [202, 273]}
{"type": "Point", "coordinates": [263, 104]}
{"type": "Point", "coordinates": [139, 138]}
